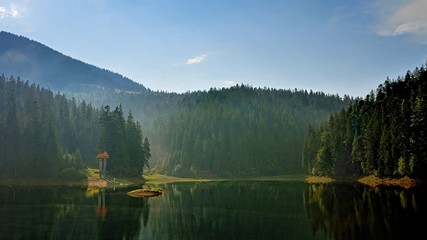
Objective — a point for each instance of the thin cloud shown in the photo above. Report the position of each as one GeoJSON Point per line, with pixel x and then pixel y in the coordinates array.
{"type": "Point", "coordinates": [14, 13]}
{"type": "Point", "coordinates": [8, 12]}
{"type": "Point", "coordinates": [228, 83]}
{"type": "Point", "coordinates": [3, 12]}
{"type": "Point", "coordinates": [197, 59]}
{"type": "Point", "coordinates": [403, 17]}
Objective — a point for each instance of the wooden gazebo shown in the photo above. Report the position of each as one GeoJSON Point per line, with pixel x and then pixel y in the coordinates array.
{"type": "Point", "coordinates": [102, 160]}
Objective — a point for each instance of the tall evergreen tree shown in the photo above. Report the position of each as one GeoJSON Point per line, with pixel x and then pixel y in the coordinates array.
{"type": "Point", "coordinates": [388, 131]}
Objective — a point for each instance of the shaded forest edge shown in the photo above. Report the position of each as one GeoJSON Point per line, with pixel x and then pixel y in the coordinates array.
{"type": "Point", "coordinates": [380, 139]}
{"type": "Point", "coordinates": [46, 137]}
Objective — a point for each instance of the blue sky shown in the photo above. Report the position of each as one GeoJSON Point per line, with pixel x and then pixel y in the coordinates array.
{"type": "Point", "coordinates": [338, 47]}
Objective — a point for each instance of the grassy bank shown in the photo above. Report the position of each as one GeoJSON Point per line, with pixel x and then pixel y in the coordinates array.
{"type": "Point", "coordinates": [94, 180]}
{"type": "Point", "coordinates": [162, 179]}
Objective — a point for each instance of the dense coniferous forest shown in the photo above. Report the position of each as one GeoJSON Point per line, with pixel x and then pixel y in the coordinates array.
{"type": "Point", "coordinates": [129, 150]}
{"type": "Point", "coordinates": [48, 135]}
{"type": "Point", "coordinates": [238, 131]}
{"type": "Point", "coordinates": [383, 134]}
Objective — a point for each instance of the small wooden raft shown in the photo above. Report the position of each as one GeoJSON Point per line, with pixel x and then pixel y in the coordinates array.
{"type": "Point", "coordinates": [145, 192]}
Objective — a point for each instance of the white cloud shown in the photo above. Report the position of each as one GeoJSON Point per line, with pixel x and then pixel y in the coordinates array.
{"type": "Point", "coordinates": [14, 13]}
{"type": "Point", "coordinates": [197, 59]}
{"type": "Point", "coordinates": [8, 12]}
{"type": "Point", "coordinates": [3, 12]}
{"type": "Point", "coordinates": [402, 17]}
{"type": "Point", "coordinates": [228, 83]}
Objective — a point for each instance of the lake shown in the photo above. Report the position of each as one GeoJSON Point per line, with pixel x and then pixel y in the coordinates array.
{"type": "Point", "coordinates": [216, 210]}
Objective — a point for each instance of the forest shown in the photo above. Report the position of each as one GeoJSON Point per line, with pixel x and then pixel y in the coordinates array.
{"type": "Point", "coordinates": [47, 135]}
{"type": "Point", "coordinates": [227, 132]}
{"type": "Point", "coordinates": [383, 134]}
{"type": "Point", "coordinates": [240, 131]}
{"type": "Point", "coordinates": [235, 131]}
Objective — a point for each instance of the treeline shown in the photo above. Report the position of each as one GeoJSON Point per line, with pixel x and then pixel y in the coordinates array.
{"type": "Point", "coordinates": [42, 133]}
{"type": "Point", "coordinates": [48, 135]}
{"type": "Point", "coordinates": [384, 134]}
{"type": "Point", "coordinates": [239, 131]}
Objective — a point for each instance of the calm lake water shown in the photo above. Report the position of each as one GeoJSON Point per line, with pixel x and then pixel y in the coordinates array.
{"type": "Point", "coordinates": [216, 210]}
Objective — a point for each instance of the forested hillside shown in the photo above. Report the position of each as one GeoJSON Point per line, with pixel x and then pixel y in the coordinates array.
{"type": "Point", "coordinates": [35, 62]}
{"type": "Point", "coordinates": [240, 131]}
{"type": "Point", "coordinates": [47, 135]}
{"type": "Point", "coordinates": [237, 131]}
{"type": "Point", "coordinates": [384, 134]}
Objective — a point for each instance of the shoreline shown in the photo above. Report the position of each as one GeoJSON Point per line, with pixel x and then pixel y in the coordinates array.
{"type": "Point", "coordinates": [374, 181]}
{"type": "Point", "coordinates": [34, 182]}
{"type": "Point", "coordinates": [164, 179]}
{"type": "Point", "coordinates": [315, 179]}
{"type": "Point", "coordinates": [94, 181]}
{"type": "Point", "coordinates": [370, 180]}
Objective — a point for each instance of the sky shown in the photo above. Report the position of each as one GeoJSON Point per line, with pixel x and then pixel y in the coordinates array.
{"type": "Point", "coordinates": [334, 46]}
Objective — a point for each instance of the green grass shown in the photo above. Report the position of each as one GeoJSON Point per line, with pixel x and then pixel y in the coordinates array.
{"type": "Point", "coordinates": [92, 173]}
{"type": "Point", "coordinates": [162, 179]}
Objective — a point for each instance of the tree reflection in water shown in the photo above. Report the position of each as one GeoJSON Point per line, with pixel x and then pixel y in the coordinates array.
{"type": "Point", "coordinates": [215, 210]}
{"type": "Point", "coordinates": [229, 210]}
{"type": "Point", "coordinates": [65, 213]}
{"type": "Point", "coordinates": [354, 211]}
{"type": "Point", "coordinates": [122, 220]}
{"type": "Point", "coordinates": [101, 209]}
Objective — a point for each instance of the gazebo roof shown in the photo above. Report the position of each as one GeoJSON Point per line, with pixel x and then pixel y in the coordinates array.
{"type": "Point", "coordinates": [102, 155]}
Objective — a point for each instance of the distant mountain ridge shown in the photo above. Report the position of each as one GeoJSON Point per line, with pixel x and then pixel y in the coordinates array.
{"type": "Point", "coordinates": [35, 62]}
{"type": "Point", "coordinates": [237, 131]}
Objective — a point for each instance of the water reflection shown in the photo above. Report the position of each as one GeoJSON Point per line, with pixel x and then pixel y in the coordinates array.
{"type": "Point", "coordinates": [118, 215]}
{"type": "Point", "coordinates": [66, 213]}
{"type": "Point", "coordinates": [229, 210]}
{"type": "Point", "coordinates": [354, 211]}
{"type": "Point", "coordinates": [101, 209]}
{"type": "Point", "coordinates": [222, 210]}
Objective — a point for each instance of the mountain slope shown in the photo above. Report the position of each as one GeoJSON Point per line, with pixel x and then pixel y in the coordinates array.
{"type": "Point", "coordinates": [236, 131]}
{"type": "Point", "coordinates": [35, 62]}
